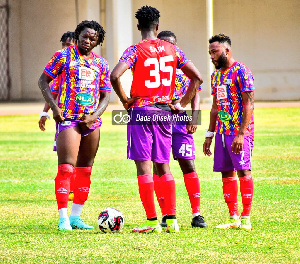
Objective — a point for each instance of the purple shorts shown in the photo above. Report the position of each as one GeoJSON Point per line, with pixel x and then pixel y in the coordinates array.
{"type": "Point", "coordinates": [183, 146]}
{"type": "Point", "coordinates": [72, 123]}
{"type": "Point", "coordinates": [149, 138]}
{"type": "Point", "coordinates": [226, 160]}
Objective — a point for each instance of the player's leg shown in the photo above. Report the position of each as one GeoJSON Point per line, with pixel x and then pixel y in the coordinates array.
{"type": "Point", "coordinates": [87, 151]}
{"type": "Point", "coordinates": [159, 195]}
{"type": "Point", "coordinates": [192, 185]}
{"type": "Point", "coordinates": [139, 148]}
{"type": "Point", "coordinates": [223, 164]}
{"type": "Point", "coordinates": [146, 191]}
{"type": "Point", "coordinates": [67, 145]}
{"type": "Point", "coordinates": [169, 190]}
{"type": "Point", "coordinates": [243, 166]}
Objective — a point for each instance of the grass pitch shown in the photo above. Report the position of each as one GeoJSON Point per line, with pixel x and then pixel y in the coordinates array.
{"type": "Point", "coordinates": [28, 213]}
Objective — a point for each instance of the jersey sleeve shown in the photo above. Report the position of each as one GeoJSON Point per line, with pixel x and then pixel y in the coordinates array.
{"type": "Point", "coordinates": [105, 85]}
{"type": "Point", "coordinates": [213, 88]}
{"type": "Point", "coordinates": [55, 65]}
{"type": "Point", "coordinates": [55, 85]}
{"type": "Point", "coordinates": [129, 56]}
{"type": "Point", "coordinates": [246, 79]}
{"type": "Point", "coordinates": [181, 58]}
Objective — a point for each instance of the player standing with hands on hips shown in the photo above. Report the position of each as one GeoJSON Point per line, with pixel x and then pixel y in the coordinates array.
{"type": "Point", "coordinates": [231, 117]}
{"type": "Point", "coordinates": [83, 97]}
{"type": "Point", "coordinates": [153, 63]}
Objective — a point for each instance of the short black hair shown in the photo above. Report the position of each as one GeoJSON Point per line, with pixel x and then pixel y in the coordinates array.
{"type": "Point", "coordinates": [65, 36]}
{"type": "Point", "coordinates": [167, 33]}
{"type": "Point", "coordinates": [222, 38]}
{"type": "Point", "coordinates": [93, 25]}
{"type": "Point", "coordinates": [148, 17]}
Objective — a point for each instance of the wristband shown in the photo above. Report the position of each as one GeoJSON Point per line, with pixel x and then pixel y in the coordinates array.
{"type": "Point", "coordinates": [179, 107]}
{"type": "Point", "coordinates": [45, 114]}
{"type": "Point", "coordinates": [209, 134]}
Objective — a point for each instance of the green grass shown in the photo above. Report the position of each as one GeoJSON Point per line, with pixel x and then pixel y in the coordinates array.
{"type": "Point", "coordinates": [28, 213]}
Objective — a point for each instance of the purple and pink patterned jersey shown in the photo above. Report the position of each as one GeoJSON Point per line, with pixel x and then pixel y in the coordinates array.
{"type": "Point", "coordinates": [182, 83]}
{"type": "Point", "coordinates": [80, 81]}
{"type": "Point", "coordinates": [228, 87]}
{"type": "Point", "coordinates": [153, 64]}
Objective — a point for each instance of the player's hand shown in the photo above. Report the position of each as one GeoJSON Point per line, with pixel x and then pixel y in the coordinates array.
{"type": "Point", "coordinates": [191, 128]}
{"type": "Point", "coordinates": [237, 144]}
{"type": "Point", "coordinates": [129, 102]}
{"type": "Point", "coordinates": [58, 114]}
{"type": "Point", "coordinates": [174, 111]}
{"type": "Point", "coordinates": [206, 146]}
{"type": "Point", "coordinates": [87, 122]}
{"type": "Point", "coordinates": [42, 123]}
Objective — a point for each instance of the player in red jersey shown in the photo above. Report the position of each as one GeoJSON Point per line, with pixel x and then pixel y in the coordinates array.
{"type": "Point", "coordinates": [83, 97]}
{"type": "Point", "coordinates": [153, 63]}
{"type": "Point", "coordinates": [183, 146]}
{"type": "Point", "coordinates": [231, 117]}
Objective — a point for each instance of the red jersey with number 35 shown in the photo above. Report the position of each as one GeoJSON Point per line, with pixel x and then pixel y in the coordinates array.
{"type": "Point", "coordinates": [153, 63]}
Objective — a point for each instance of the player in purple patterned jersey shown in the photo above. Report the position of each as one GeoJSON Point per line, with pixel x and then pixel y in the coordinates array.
{"type": "Point", "coordinates": [67, 39]}
{"type": "Point", "coordinates": [83, 97]}
{"type": "Point", "coordinates": [183, 146]}
{"type": "Point", "coordinates": [231, 117]}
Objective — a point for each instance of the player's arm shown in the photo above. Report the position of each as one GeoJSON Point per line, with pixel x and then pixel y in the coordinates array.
{"type": "Point", "coordinates": [87, 121]}
{"type": "Point", "coordinates": [194, 75]}
{"type": "Point", "coordinates": [44, 114]}
{"type": "Point", "coordinates": [212, 125]}
{"type": "Point", "coordinates": [43, 83]}
{"type": "Point", "coordinates": [115, 76]}
{"type": "Point", "coordinates": [195, 103]}
{"type": "Point", "coordinates": [248, 101]}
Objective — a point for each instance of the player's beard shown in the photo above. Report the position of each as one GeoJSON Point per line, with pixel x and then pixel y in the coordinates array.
{"type": "Point", "coordinates": [221, 61]}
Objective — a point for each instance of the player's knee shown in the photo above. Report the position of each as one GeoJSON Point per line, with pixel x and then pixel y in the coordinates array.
{"type": "Point", "coordinates": [243, 173]}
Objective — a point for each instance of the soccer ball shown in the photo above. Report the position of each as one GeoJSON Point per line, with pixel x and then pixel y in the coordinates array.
{"type": "Point", "coordinates": [110, 220]}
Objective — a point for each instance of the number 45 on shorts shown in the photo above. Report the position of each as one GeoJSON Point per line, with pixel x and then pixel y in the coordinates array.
{"type": "Point", "coordinates": [186, 150]}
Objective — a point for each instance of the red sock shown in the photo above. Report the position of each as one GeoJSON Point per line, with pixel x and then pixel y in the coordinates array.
{"type": "Point", "coordinates": [192, 186]}
{"type": "Point", "coordinates": [72, 181]}
{"type": "Point", "coordinates": [230, 191]}
{"type": "Point", "coordinates": [146, 190]}
{"type": "Point", "coordinates": [246, 187]}
{"type": "Point", "coordinates": [82, 184]}
{"type": "Point", "coordinates": [158, 188]}
{"type": "Point", "coordinates": [169, 189]}
{"type": "Point", "coordinates": [62, 184]}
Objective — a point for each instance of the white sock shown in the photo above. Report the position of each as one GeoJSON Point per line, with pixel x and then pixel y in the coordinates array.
{"type": "Point", "coordinates": [195, 214]}
{"type": "Point", "coordinates": [63, 212]}
{"type": "Point", "coordinates": [76, 209]}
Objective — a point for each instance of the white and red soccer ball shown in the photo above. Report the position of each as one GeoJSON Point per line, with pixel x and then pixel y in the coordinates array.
{"type": "Point", "coordinates": [110, 220]}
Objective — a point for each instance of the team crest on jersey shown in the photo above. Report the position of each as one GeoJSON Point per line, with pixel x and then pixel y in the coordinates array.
{"type": "Point", "coordinates": [84, 99]}
{"type": "Point", "coordinates": [224, 116]}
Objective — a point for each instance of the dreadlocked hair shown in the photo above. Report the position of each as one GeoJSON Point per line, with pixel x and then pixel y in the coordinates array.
{"type": "Point", "coordinates": [221, 38]}
{"type": "Point", "coordinates": [166, 33]}
{"type": "Point", "coordinates": [93, 25]}
{"type": "Point", "coordinates": [67, 35]}
{"type": "Point", "coordinates": [147, 16]}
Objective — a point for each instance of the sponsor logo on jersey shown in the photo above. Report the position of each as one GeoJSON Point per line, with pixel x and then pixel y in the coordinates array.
{"type": "Point", "coordinates": [84, 99]}
{"type": "Point", "coordinates": [224, 116]}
